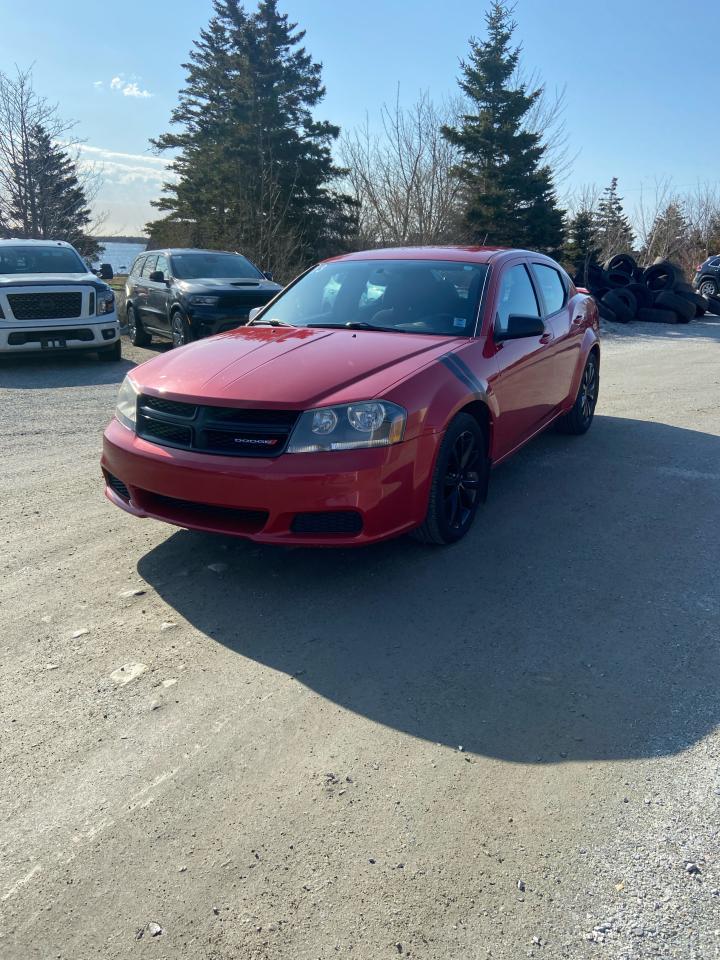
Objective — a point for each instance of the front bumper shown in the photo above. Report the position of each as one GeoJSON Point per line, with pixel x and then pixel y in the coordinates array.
{"type": "Point", "coordinates": [260, 498]}
{"type": "Point", "coordinates": [206, 323]}
{"type": "Point", "coordinates": [59, 335]}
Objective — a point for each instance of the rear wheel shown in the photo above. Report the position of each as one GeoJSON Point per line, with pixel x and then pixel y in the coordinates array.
{"type": "Point", "coordinates": [578, 420]}
{"type": "Point", "coordinates": [708, 288]}
{"type": "Point", "coordinates": [136, 331]}
{"type": "Point", "coordinates": [459, 483]}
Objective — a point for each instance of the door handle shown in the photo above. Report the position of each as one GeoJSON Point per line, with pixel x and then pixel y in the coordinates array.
{"type": "Point", "coordinates": [578, 319]}
{"type": "Point", "coordinates": [546, 337]}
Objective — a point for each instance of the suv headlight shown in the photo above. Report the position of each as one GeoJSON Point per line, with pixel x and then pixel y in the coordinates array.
{"type": "Point", "coordinates": [126, 409]}
{"type": "Point", "coordinates": [371, 423]}
{"type": "Point", "coordinates": [105, 302]}
{"type": "Point", "coordinates": [200, 301]}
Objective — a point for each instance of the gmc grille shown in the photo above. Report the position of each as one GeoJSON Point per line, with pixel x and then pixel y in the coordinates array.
{"type": "Point", "coordinates": [45, 306]}
{"type": "Point", "coordinates": [226, 431]}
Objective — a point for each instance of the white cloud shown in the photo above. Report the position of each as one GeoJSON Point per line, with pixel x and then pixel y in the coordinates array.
{"type": "Point", "coordinates": [98, 84]}
{"type": "Point", "coordinates": [128, 88]}
{"type": "Point", "coordinates": [125, 168]}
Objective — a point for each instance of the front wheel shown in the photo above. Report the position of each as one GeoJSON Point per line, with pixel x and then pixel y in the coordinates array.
{"type": "Point", "coordinates": [180, 330]}
{"type": "Point", "coordinates": [109, 354]}
{"type": "Point", "coordinates": [578, 420]}
{"type": "Point", "coordinates": [459, 483]}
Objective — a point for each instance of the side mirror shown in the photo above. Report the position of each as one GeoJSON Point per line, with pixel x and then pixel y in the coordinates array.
{"type": "Point", "coordinates": [157, 276]}
{"type": "Point", "coordinates": [520, 326]}
{"type": "Point", "coordinates": [106, 271]}
{"type": "Point", "coordinates": [268, 274]}
{"type": "Point", "coordinates": [253, 313]}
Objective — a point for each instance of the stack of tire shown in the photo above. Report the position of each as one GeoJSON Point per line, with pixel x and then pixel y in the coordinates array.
{"type": "Point", "coordinates": [655, 294]}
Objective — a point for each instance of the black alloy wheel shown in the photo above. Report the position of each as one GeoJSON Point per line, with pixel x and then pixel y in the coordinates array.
{"type": "Point", "coordinates": [578, 420]}
{"type": "Point", "coordinates": [179, 330]}
{"type": "Point", "coordinates": [459, 483]}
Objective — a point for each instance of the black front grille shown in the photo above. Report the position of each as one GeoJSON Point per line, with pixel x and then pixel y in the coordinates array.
{"type": "Point", "coordinates": [338, 521]}
{"type": "Point", "coordinates": [242, 303]}
{"type": "Point", "coordinates": [226, 431]}
{"type": "Point", "coordinates": [118, 486]}
{"type": "Point", "coordinates": [45, 306]}
{"type": "Point", "coordinates": [177, 509]}
{"type": "Point", "coordinates": [18, 337]}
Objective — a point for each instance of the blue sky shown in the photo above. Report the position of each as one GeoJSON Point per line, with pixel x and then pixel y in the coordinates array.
{"type": "Point", "coordinates": [641, 77]}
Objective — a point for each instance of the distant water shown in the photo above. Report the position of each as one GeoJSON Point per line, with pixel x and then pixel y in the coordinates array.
{"type": "Point", "coordinates": [120, 255]}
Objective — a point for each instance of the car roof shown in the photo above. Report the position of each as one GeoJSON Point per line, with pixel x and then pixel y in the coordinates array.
{"type": "Point", "coordinates": [172, 250]}
{"type": "Point", "coordinates": [35, 243]}
{"type": "Point", "coordinates": [463, 254]}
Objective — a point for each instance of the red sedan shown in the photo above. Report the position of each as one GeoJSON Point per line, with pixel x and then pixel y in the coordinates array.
{"type": "Point", "coordinates": [370, 398]}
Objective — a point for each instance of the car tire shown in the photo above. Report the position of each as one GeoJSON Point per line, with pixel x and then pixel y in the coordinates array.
{"type": "Point", "coordinates": [618, 278]}
{"type": "Point", "coordinates": [136, 332]}
{"type": "Point", "coordinates": [655, 315]}
{"type": "Point", "coordinates": [662, 276]}
{"type": "Point", "coordinates": [459, 483]}
{"type": "Point", "coordinates": [579, 420]}
{"type": "Point", "coordinates": [668, 300]}
{"type": "Point", "coordinates": [623, 263]}
{"type": "Point", "coordinates": [623, 304]}
{"type": "Point", "coordinates": [179, 330]}
{"type": "Point", "coordinates": [111, 354]}
{"type": "Point", "coordinates": [708, 288]}
{"type": "Point", "coordinates": [643, 296]}
{"type": "Point", "coordinates": [605, 312]}
{"type": "Point", "coordinates": [713, 305]}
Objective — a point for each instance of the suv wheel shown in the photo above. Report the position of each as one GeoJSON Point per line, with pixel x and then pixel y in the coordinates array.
{"type": "Point", "coordinates": [136, 331]}
{"type": "Point", "coordinates": [179, 329]}
{"type": "Point", "coordinates": [708, 288]}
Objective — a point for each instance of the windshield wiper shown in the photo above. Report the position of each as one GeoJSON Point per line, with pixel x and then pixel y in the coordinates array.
{"type": "Point", "coordinates": [271, 323]}
{"type": "Point", "coordinates": [356, 325]}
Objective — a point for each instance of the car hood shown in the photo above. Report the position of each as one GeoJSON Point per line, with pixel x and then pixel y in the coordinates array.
{"type": "Point", "coordinates": [213, 285]}
{"type": "Point", "coordinates": [296, 368]}
{"type": "Point", "coordinates": [52, 280]}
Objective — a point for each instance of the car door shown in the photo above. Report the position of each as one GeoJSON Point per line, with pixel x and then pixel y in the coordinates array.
{"type": "Point", "coordinates": [142, 290]}
{"type": "Point", "coordinates": [523, 384]}
{"type": "Point", "coordinates": [158, 293]}
{"type": "Point", "coordinates": [566, 331]}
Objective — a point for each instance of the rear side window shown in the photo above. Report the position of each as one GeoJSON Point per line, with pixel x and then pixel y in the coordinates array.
{"type": "Point", "coordinates": [714, 262]}
{"type": "Point", "coordinates": [551, 286]}
{"type": "Point", "coordinates": [516, 297]}
{"type": "Point", "coordinates": [149, 266]}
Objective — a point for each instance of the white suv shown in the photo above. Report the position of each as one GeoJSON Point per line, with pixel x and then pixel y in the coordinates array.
{"type": "Point", "coordinates": [50, 301]}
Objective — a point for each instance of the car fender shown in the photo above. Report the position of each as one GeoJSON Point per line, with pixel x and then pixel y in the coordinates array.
{"type": "Point", "coordinates": [590, 341]}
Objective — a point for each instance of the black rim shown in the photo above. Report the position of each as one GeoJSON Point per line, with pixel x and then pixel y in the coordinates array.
{"type": "Point", "coordinates": [588, 391]}
{"type": "Point", "coordinates": [178, 332]}
{"type": "Point", "coordinates": [132, 330]}
{"type": "Point", "coordinates": [461, 486]}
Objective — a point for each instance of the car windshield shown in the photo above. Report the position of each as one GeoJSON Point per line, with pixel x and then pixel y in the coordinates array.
{"type": "Point", "coordinates": [404, 296]}
{"type": "Point", "coordinates": [213, 266]}
{"type": "Point", "coordinates": [39, 259]}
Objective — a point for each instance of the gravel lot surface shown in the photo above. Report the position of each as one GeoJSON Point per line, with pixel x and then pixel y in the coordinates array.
{"type": "Point", "coordinates": [503, 749]}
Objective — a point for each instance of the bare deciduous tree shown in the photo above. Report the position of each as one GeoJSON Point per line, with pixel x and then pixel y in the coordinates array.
{"type": "Point", "coordinates": [403, 178]}
{"type": "Point", "coordinates": [45, 189]}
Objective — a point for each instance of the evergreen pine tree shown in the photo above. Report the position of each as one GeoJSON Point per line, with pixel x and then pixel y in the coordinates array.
{"type": "Point", "coordinates": [508, 187]}
{"type": "Point", "coordinates": [254, 169]}
{"type": "Point", "coordinates": [669, 237]}
{"type": "Point", "coordinates": [614, 232]}
{"type": "Point", "coordinates": [581, 247]}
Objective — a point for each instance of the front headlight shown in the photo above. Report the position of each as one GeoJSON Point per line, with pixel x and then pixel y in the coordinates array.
{"type": "Point", "coordinates": [198, 301]}
{"type": "Point", "coordinates": [126, 409]}
{"type": "Point", "coordinates": [105, 302]}
{"type": "Point", "coordinates": [373, 423]}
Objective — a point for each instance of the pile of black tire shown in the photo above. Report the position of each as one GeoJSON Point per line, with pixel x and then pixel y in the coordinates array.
{"type": "Point", "coordinates": [656, 294]}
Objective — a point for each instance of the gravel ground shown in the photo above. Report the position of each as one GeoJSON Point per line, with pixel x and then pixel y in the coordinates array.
{"type": "Point", "coordinates": [508, 748]}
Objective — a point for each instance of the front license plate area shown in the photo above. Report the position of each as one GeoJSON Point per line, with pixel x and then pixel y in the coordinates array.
{"type": "Point", "coordinates": [56, 343]}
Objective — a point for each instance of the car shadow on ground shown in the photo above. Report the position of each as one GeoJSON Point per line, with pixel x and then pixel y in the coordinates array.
{"type": "Point", "coordinates": [41, 371]}
{"type": "Point", "coordinates": [703, 328]}
{"type": "Point", "coordinates": [577, 621]}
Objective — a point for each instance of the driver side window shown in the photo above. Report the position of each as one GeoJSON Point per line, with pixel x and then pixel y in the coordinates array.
{"type": "Point", "coordinates": [516, 296]}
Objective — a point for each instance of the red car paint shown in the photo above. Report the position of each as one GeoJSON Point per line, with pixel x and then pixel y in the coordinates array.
{"type": "Point", "coordinates": [524, 385]}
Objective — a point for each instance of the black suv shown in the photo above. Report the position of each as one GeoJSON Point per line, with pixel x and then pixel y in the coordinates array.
{"type": "Point", "coordinates": [707, 278]}
{"type": "Point", "coordinates": [183, 295]}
